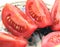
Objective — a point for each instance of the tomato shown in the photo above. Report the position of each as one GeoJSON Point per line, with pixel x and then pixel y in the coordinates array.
{"type": "Point", "coordinates": [51, 40]}
{"type": "Point", "coordinates": [17, 22]}
{"type": "Point", "coordinates": [8, 40]}
{"type": "Point", "coordinates": [37, 10]}
{"type": "Point", "coordinates": [55, 13]}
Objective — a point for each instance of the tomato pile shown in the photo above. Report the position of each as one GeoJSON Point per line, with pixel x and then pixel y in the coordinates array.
{"type": "Point", "coordinates": [22, 25]}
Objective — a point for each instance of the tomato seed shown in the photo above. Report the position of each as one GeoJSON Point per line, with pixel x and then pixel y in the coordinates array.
{"type": "Point", "coordinates": [8, 17]}
{"type": "Point", "coordinates": [34, 15]}
{"type": "Point", "coordinates": [14, 25]}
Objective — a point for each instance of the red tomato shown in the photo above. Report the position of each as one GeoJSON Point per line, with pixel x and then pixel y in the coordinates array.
{"type": "Point", "coordinates": [37, 10]}
{"type": "Point", "coordinates": [8, 40]}
{"type": "Point", "coordinates": [17, 22]}
{"type": "Point", "coordinates": [51, 40]}
{"type": "Point", "coordinates": [55, 13]}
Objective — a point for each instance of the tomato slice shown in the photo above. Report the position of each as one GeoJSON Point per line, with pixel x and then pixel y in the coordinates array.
{"type": "Point", "coordinates": [37, 10]}
{"type": "Point", "coordinates": [8, 40]}
{"type": "Point", "coordinates": [17, 22]}
{"type": "Point", "coordinates": [55, 13]}
{"type": "Point", "coordinates": [51, 40]}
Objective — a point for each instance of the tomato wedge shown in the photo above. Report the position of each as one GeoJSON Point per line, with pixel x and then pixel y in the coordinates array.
{"type": "Point", "coordinates": [37, 10]}
{"type": "Point", "coordinates": [8, 40]}
{"type": "Point", "coordinates": [17, 22]}
{"type": "Point", "coordinates": [55, 13]}
{"type": "Point", "coordinates": [51, 40]}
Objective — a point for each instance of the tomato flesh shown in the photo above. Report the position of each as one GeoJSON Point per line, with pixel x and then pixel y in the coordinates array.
{"type": "Point", "coordinates": [55, 13]}
{"type": "Point", "coordinates": [51, 40]}
{"type": "Point", "coordinates": [17, 22]}
{"type": "Point", "coordinates": [8, 40]}
{"type": "Point", "coordinates": [37, 10]}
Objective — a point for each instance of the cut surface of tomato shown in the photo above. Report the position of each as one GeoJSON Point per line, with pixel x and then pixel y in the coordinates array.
{"type": "Point", "coordinates": [55, 14]}
{"type": "Point", "coordinates": [17, 22]}
{"type": "Point", "coordinates": [8, 40]}
{"type": "Point", "coordinates": [51, 40]}
{"type": "Point", "coordinates": [37, 10]}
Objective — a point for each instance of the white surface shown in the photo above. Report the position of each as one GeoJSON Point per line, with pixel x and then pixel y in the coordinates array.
{"type": "Point", "coordinates": [2, 2]}
{"type": "Point", "coordinates": [9, 1]}
{"type": "Point", "coordinates": [49, 3]}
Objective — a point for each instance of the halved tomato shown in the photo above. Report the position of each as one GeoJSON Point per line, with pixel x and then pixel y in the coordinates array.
{"type": "Point", "coordinates": [8, 40]}
{"type": "Point", "coordinates": [51, 40]}
{"type": "Point", "coordinates": [17, 22]}
{"type": "Point", "coordinates": [55, 13]}
{"type": "Point", "coordinates": [37, 10]}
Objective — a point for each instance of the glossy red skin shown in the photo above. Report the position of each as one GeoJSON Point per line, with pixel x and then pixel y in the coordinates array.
{"type": "Point", "coordinates": [8, 40]}
{"type": "Point", "coordinates": [20, 19]}
{"type": "Point", "coordinates": [39, 8]}
{"type": "Point", "coordinates": [51, 40]}
{"type": "Point", "coordinates": [55, 13]}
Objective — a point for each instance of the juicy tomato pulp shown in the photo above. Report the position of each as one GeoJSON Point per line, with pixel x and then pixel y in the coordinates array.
{"type": "Point", "coordinates": [17, 22]}
{"type": "Point", "coordinates": [55, 13]}
{"type": "Point", "coordinates": [51, 40]}
{"type": "Point", "coordinates": [37, 10]}
{"type": "Point", "coordinates": [8, 40]}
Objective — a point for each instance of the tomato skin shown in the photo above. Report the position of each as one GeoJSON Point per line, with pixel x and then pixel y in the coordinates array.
{"type": "Point", "coordinates": [51, 40]}
{"type": "Point", "coordinates": [22, 25]}
{"type": "Point", "coordinates": [8, 40]}
{"type": "Point", "coordinates": [37, 10]}
{"type": "Point", "coordinates": [55, 14]}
